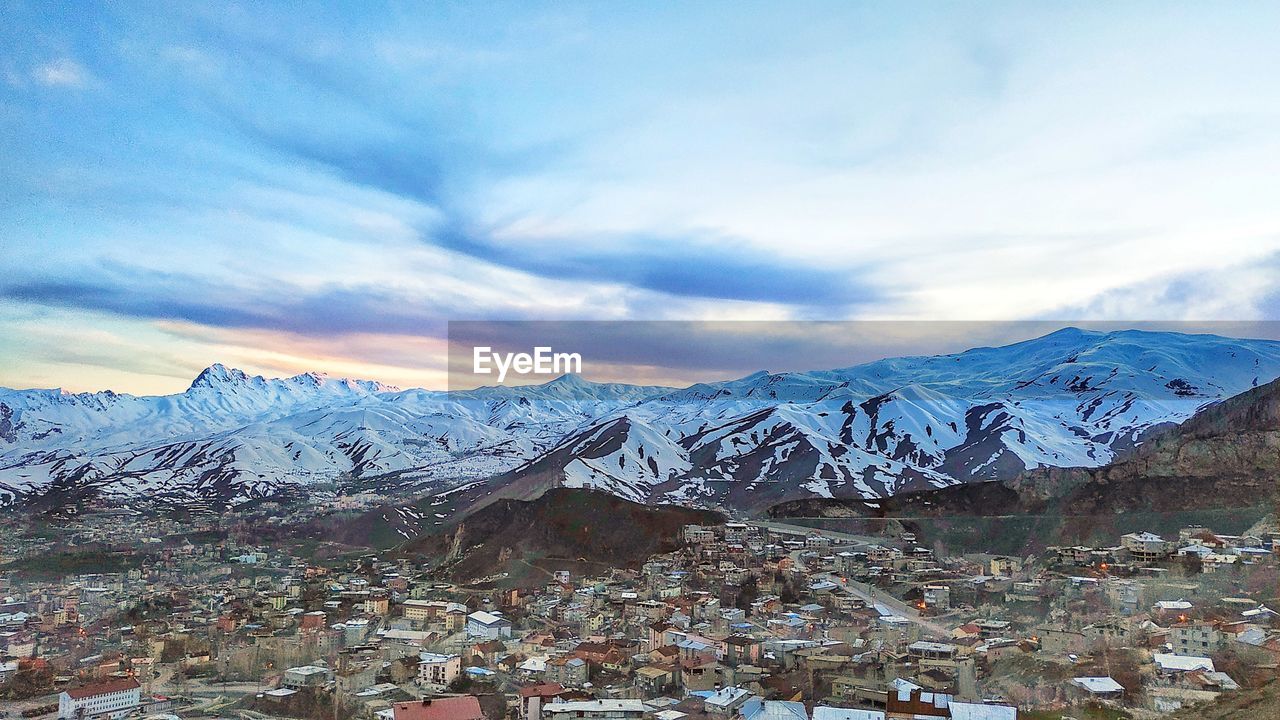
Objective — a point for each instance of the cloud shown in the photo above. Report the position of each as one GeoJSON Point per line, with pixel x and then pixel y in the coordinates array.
{"type": "Point", "coordinates": [62, 72]}
{"type": "Point", "coordinates": [1242, 291]}
{"type": "Point", "coordinates": [153, 295]}
{"type": "Point", "coordinates": [693, 265]}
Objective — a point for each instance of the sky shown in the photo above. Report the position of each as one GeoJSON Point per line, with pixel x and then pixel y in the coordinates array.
{"type": "Point", "coordinates": [325, 187]}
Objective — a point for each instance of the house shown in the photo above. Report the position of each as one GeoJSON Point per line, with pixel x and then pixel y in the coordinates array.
{"type": "Point", "coordinates": [937, 597]}
{"type": "Point", "coordinates": [740, 649]}
{"type": "Point", "coordinates": [398, 643]}
{"type": "Point", "coordinates": [1103, 688]}
{"type": "Point", "coordinates": [756, 709]}
{"type": "Point", "coordinates": [1146, 547]}
{"type": "Point", "coordinates": [1060, 641]}
{"type": "Point", "coordinates": [698, 535]}
{"type": "Point", "coordinates": [304, 676]}
{"type": "Point", "coordinates": [459, 707]}
{"type": "Point", "coordinates": [932, 654]}
{"type": "Point", "coordinates": [488, 625]}
{"type": "Point", "coordinates": [488, 651]}
{"type": "Point", "coordinates": [1003, 566]}
{"type": "Point", "coordinates": [654, 680]}
{"type": "Point", "coordinates": [1195, 638]}
{"type": "Point", "coordinates": [595, 710]}
{"type": "Point", "coordinates": [455, 617]}
{"type": "Point", "coordinates": [101, 701]}
{"type": "Point", "coordinates": [907, 701]}
{"type": "Point", "coordinates": [1169, 664]}
{"type": "Point", "coordinates": [568, 670]}
{"type": "Point", "coordinates": [314, 620]}
{"type": "Point", "coordinates": [982, 711]}
{"type": "Point", "coordinates": [1109, 632]}
{"type": "Point", "coordinates": [725, 701]}
{"type": "Point", "coordinates": [377, 605]}
{"type": "Point", "coordinates": [424, 610]}
{"type": "Point", "coordinates": [532, 699]}
{"type": "Point", "coordinates": [437, 670]}
{"type": "Point", "coordinates": [822, 712]}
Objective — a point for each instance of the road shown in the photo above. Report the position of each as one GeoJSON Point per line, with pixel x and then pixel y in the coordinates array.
{"type": "Point", "coordinates": [15, 707]}
{"type": "Point", "coordinates": [801, 530]}
{"type": "Point", "coordinates": [873, 597]}
{"type": "Point", "coordinates": [866, 593]}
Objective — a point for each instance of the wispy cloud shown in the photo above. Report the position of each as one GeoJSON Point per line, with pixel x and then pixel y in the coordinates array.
{"type": "Point", "coordinates": [366, 174]}
{"type": "Point", "coordinates": [694, 265]}
{"type": "Point", "coordinates": [61, 72]}
{"type": "Point", "coordinates": [324, 310]}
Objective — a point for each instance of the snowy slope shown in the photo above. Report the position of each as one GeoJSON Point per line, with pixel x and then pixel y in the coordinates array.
{"type": "Point", "coordinates": [1066, 399]}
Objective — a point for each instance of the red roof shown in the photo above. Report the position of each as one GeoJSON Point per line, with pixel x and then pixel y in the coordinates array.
{"type": "Point", "coordinates": [460, 707]}
{"type": "Point", "coordinates": [542, 690]}
{"type": "Point", "coordinates": [102, 688]}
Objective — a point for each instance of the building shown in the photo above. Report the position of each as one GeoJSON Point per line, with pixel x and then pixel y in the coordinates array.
{"type": "Point", "coordinates": [314, 620]}
{"type": "Point", "coordinates": [932, 654]}
{"type": "Point", "coordinates": [398, 643]}
{"type": "Point", "coordinates": [726, 701]}
{"type": "Point", "coordinates": [377, 605]}
{"type": "Point", "coordinates": [460, 707]}
{"type": "Point", "coordinates": [908, 702]}
{"type": "Point", "coordinates": [424, 610]}
{"type": "Point", "coordinates": [101, 701]}
{"type": "Point", "coordinates": [487, 625]}
{"type": "Point", "coordinates": [438, 670]}
{"type": "Point", "coordinates": [1005, 566]}
{"type": "Point", "coordinates": [736, 533]}
{"type": "Point", "coordinates": [568, 670]}
{"type": "Point", "coordinates": [982, 711]}
{"type": "Point", "coordinates": [699, 535]}
{"type": "Point", "coordinates": [532, 699]}
{"type": "Point", "coordinates": [1060, 641]}
{"type": "Point", "coordinates": [1195, 638]}
{"type": "Point", "coordinates": [654, 680]}
{"type": "Point", "coordinates": [304, 676]}
{"type": "Point", "coordinates": [1146, 547]}
{"type": "Point", "coordinates": [595, 710]}
{"type": "Point", "coordinates": [937, 597]}
{"type": "Point", "coordinates": [1170, 664]}
{"type": "Point", "coordinates": [823, 712]}
{"type": "Point", "coordinates": [1100, 687]}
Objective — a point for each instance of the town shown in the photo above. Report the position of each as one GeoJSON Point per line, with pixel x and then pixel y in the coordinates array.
{"type": "Point", "coordinates": [751, 620]}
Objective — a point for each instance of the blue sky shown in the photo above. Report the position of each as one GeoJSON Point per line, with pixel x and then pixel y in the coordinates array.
{"type": "Point", "coordinates": [287, 189]}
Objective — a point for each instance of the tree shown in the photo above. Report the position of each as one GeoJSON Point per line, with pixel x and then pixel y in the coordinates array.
{"type": "Point", "coordinates": [461, 684]}
{"type": "Point", "coordinates": [1192, 564]}
{"type": "Point", "coordinates": [788, 594]}
{"type": "Point", "coordinates": [747, 593]}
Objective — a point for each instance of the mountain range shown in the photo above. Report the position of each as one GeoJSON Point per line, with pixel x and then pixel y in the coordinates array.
{"type": "Point", "coordinates": [1073, 398]}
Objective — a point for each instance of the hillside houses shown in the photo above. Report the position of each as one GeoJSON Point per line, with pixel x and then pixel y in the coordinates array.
{"type": "Point", "coordinates": [745, 621]}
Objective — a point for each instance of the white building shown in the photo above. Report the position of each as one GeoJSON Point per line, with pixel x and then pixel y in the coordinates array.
{"type": "Point", "coordinates": [1169, 663]}
{"type": "Point", "coordinates": [487, 625]}
{"type": "Point", "coordinates": [1146, 547]}
{"type": "Point", "coordinates": [102, 701]}
{"type": "Point", "coordinates": [595, 710]}
{"type": "Point", "coordinates": [1103, 687]}
{"type": "Point", "coordinates": [304, 676]}
{"type": "Point", "coordinates": [438, 670]}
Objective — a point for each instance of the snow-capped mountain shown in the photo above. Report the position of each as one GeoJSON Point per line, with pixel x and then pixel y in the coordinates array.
{"type": "Point", "coordinates": [1071, 398]}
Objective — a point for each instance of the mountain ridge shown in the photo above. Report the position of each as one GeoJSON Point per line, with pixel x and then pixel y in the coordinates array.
{"type": "Point", "coordinates": [1226, 456]}
{"type": "Point", "coordinates": [1070, 398]}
